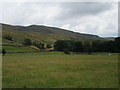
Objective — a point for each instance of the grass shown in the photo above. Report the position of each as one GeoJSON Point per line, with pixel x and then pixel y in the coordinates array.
{"type": "Point", "coordinates": [57, 70]}
{"type": "Point", "coordinates": [19, 36]}
{"type": "Point", "coordinates": [17, 49]}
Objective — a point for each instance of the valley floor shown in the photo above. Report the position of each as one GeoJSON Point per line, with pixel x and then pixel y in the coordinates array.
{"type": "Point", "coordinates": [58, 70]}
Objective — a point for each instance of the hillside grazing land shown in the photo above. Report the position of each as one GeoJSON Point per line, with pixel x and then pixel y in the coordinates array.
{"type": "Point", "coordinates": [17, 49]}
{"type": "Point", "coordinates": [42, 34]}
{"type": "Point", "coordinates": [58, 70]}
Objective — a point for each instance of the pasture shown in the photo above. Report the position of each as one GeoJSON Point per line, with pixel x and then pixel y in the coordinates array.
{"type": "Point", "coordinates": [58, 70]}
{"type": "Point", "coordinates": [17, 49]}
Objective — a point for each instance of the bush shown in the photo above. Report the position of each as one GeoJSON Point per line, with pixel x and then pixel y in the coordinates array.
{"type": "Point", "coordinates": [88, 47]}
{"type": "Point", "coordinates": [42, 46]}
{"type": "Point", "coordinates": [78, 46]}
{"type": "Point", "coordinates": [66, 51]}
{"type": "Point", "coordinates": [8, 37]}
{"type": "Point", "coordinates": [117, 44]}
{"type": "Point", "coordinates": [36, 44]}
{"type": "Point", "coordinates": [3, 52]}
{"type": "Point", "coordinates": [48, 46]}
{"type": "Point", "coordinates": [60, 45]}
{"type": "Point", "coordinates": [27, 42]}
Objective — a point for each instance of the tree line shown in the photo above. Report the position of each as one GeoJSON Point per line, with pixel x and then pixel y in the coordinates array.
{"type": "Point", "coordinates": [40, 45]}
{"type": "Point", "coordinates": [68, 46]}
{"type": "Point", "coordinates": [75, 46]}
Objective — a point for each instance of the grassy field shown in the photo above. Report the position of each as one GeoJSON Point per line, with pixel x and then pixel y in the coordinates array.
{"type": "Point", "coordinates": [17, 49]}
{"type": "Point", "coordinates": [57, 70]}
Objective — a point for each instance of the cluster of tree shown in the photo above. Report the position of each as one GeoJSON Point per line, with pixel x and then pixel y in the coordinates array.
{"type": "Point", "coordinates": [27, 42]}
{"type": "Point", "coordinates": [68, 46]}
{"type": "Point", "coordinates": [40, 45]}
{"type": "Point", "coordinates": [7, 37]}
{"type": "Point", "coordinates": [117, 44]}
{"type": "Point", "coordinates": [107, 46]}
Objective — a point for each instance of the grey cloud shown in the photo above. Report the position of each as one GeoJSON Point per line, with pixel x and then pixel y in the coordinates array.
{"type": "Point", "coordinates": [78, 9]}
{"type": "Point", "coordinates": [72, 16]}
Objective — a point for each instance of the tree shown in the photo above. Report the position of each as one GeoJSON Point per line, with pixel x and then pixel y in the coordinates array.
{"type": "Point", "coordinates": [66, 51]}
{"type": "Point", "coordinates": [27, 42]}
{"type": "Point", "coordinates": [3, 52]}
{"type": "Point", "coordinates": [48, 46]}
{"type": "Point", "coordinates": [36, 44]}
{"type": "Point", "coordinates": [88, 47]}
{"type": "Point", "coordinates": [60, 45]}
{"type": "Point", "coordinates": [97, 46]}
{"type": "Point", "coordinates": [103, 46]}
{"type": "Point", "coordinates": [39, 45]}
{"type": "Point", "coordinates": [71, 45]}
{"type": "Point", "coordinates": [8, 37]}
{"type": "Point", "coordinates": [109, 46]}
{"type": "Point", "coordinates": [78, 46]}
{"type": "Point", "coordinates": [68, 45]}
{"type": "Point", "coordinates": [117, 44]}
{"type": "Point", "coordinates": [42, 46]}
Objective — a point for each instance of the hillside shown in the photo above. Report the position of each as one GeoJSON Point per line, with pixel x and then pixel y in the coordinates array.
{"type": "Point", "coordinates": [110, 38]}
{"type": "Point", "coordinates": [41, 33]}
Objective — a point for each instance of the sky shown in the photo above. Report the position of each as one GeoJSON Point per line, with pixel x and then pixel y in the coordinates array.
{"type": "Point", "coordinates": [99, 18]}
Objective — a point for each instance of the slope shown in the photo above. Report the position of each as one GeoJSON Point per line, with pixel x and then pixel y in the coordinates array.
{"type": "Point", "coordinates": [42, 33]}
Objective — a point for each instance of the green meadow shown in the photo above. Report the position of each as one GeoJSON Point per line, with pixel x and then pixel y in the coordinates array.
{"type": "Point", "coordinates": [17, 49]}
{"type": "Point", "coordinates": [59, 70]}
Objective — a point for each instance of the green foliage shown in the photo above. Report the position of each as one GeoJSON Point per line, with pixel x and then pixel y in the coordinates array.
{"type": "Point", "coordinates": [103, 46]}
{"type": "Point", "coordinates": [117, 44]}
{"type": "Point", "coordinates": [66, 51]}
{"type": "Point", "coordinates": [8, 37]}
{"type": "Point", "coordinates": [60, 45]}
{"type": "Point", "coordinates": [110, 46]}
{"type": "Point", "coordinates": [35, 43]}
{"type": "Point", "coordinates": [42, 46]}
{"type": "Point", "coordinates": [96, 46]}
{"type": "Point", "coordinates": [27, 42]}
{"type": "Point", "coordinates": [48, 46]}
{"type": "Point", "coordinates": [88, 47]}
{"type": "Point", "coordinates": [68, 45]}
{"type": "Point", "coordinates": [78, 47]}
{"type": "Point", "coordinates": [3, 52]}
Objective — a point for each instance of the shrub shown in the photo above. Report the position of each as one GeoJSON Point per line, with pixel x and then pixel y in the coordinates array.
{"type": "Point", "coordinates": [48, 46]}
{"type": "Point", "coordinates": [3, 52]}
{"type": "Point", "coordinates": [60, 45]}
{"type": "Point", "coordinates": [7, 37]}
{"type": "Point", "coordinates": [27, 42]}
{"type": "Point", "coordinates": [35, 43]}
{"type": "Point", "coordinates": [66, 51]}
{"type": "Point", "coordinates": [42, 46]}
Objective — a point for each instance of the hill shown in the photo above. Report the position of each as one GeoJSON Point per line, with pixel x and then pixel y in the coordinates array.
{"type": "Point", "coordinates": [42, 33]}
{"type": "Point", "coordinates": [110, 38]}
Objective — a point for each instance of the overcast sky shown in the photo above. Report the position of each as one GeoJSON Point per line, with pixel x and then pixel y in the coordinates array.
{"type": "Point", "coordinates": [99, 18]}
